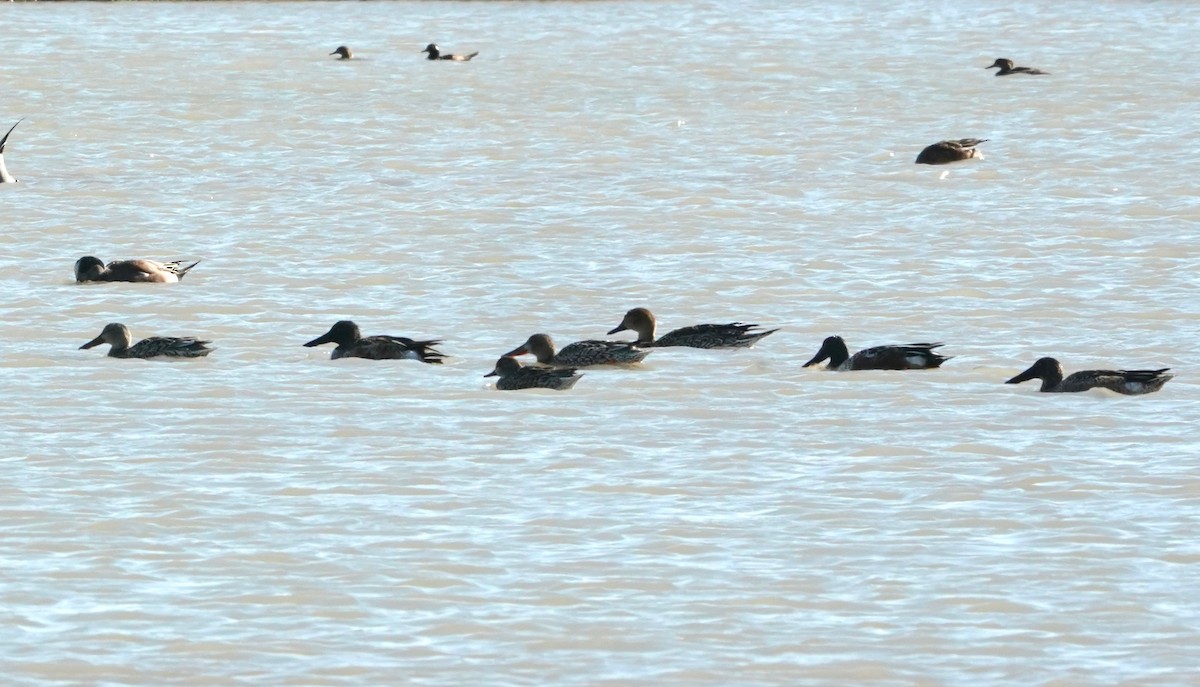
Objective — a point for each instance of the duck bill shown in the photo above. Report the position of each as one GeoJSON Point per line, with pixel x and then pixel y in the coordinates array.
{"type": "Point", "coordinates": [519, 350]}
{"type": "Point", "coordinates": [493, 373]}
{"type": "Point", "coordinates": [821, 355]}
{"type": "Point", "coordinates": [323, 339]}
{"type": "Point", "coordinates": [94, 342]}
{"type": "Point", "coordinates": [619, 328]}
{"type": "Point", "coordinates": [1023, 377]}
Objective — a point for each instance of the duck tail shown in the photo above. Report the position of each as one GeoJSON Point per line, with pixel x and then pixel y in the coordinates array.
{"type": "Point", "coordinates": [183, 272]}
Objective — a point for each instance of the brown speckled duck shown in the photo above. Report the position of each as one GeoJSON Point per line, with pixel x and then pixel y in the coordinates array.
{"type": "Point", "coordinates": [1128, 382]}
{"type": "Point", "coordinates": [90, 268]}
{"type": "Point", "coordinates": [579, 354]}
{"type": "Point", "coordinates": [945, 152]}
{"type": "Point", "coordinates": [732, 335]}
{"type": "Point", "coordinates": [917, 356]}
{"type": "Point", "coordinates": [343, 53]}
{"type": "Point", "coordinates": [121, 345]}
{"type": "Point", "coordinates": [514, 376]}
{"type": "Point", "coordinates": [352, 344]}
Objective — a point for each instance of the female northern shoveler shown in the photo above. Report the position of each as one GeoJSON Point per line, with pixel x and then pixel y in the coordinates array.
{"type": "Point", "coordinates": [945, 152]}
{"type": "Point", "coordinates": [513, 376]}
{"type": "Point", "coordinates": [917, 356]}
{"type": "Point", "coordinates": [352, 344]}
{"type": "Point", "coordinates": [1128, 382]}
{"type": "Point", "coordinates": [436, 54]}
{"type": "Point", "coordinates": [344, 53]}
{"type": "Point", "coordinates": [732, 335]}
{"type": "Point", "coordinates": [118, 337]}
{"type": "Point", "coordinates": [89, 268]}
{"type": "Point", "coordinates": [1006, 67]}
{"type": "Point", "coordinates": [5, 177]}
{"type": "Point", "coordinates": [580, 353]}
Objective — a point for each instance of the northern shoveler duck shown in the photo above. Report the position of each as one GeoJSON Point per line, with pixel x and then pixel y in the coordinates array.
{"type": "Point", "coordinates": [117, 336]}
{"type": "Point", "coordinates": [352, 344]}
{"type": "Point", "coordinates": [1006, 67]}
{"type": "Point", "coordinates": [732, 335]}
{"type": "Point", "coordinates": [917, 356]}
{"type": "Point", "coordinates": [514, 376]}
{"type": "Point", "coordinates": [436, 54]}
{"type": "Point", "coordinates": [1128, 382]}
{"type": "Point", "coordinates": [5, 177]}
{"type": "Point", "coordinates": [90, 268]}
{"type": "Point", "coordinates": [579, 354]}
{"type": "Point", "coordinates": [945, 152]}
{"type": "Point", "coordinates": [344, 53]}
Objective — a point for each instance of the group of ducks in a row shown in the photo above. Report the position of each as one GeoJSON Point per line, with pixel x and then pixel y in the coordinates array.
{"type": "Point", "coordinates": [558, 369]}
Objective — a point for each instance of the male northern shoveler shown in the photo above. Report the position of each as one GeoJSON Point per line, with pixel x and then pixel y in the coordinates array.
{"type": "Point", "coordinates": [436, 54]}
{"type": "Point", "coordinates": [1128, 382]}
{"type": "Point", "coordinates": [89, 268]}
{"type": "Point", "coordinates": [343, 52]}
{"type": "Point", "coordinates": [352, 344]}
{"type": "Point", "coordinates": [732, 335]}
{"type": "Point", "coordinates": [513, 376]}
{"type": "Point", "coordinates": [1006, 67]}
{"type": "Point", "coordinates": [945, 152]}
{"type": "Point", "coordinates": [579, 354]}
{"type": "Point", "coordinates": [5, 177]}
{"type": "Point", "coordinates": [917, 356]}
{"type": "Point", "coordinates": [118, 337]}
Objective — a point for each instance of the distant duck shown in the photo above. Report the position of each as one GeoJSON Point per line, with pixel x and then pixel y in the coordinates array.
{"type": "Point", "coordinates": [344, 52]}
{"type": "Point", "coordinates": [917, 356]}
{"type": "Point", "coordinates": [352, 344]}
{"type": "Point", "coordinates": [436, 54]}
{"type": "Point", "coordinates": [945, 152]}
{"type": "Point", "coordinates": [579, 354]}
{"type": "Point", "coordinates": [118, 337]}
{"type": "Point", "coordinates": [732, 335]}
{"type": "Point", "coordinates": [5, 177]}
{"type": "Point", "coordinates": [90, 268]}
{"type": "Point", "coordinates": [1006, 67]}
{"type": "Point", "coordinates": [1128, 382]}
{"type": "Point", "coordinates": [513, 376]}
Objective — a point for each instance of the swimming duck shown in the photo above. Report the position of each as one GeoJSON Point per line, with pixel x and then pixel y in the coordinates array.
{"type": "Point", "coordinates": [1006, 68]}
{"type": "Point", "coordinates": [917, 356]}
{"type": "Point", "coordinates": [1128, 382]}
{"type": "Point", "coordinates": [513, 376]}
{"type": "Point", "coordinates": [436, 54]}
{"type": "Point", "coordinates": [344, 52]}
{"type": "Point", "coordinates": [5, 177]}
{"type": "Point", "coordinates": [945, 152]}
{"type": "Point", "coordinates": [90, 268]}
{"type": "Point", "coordinates": [352, 344]}
{"type": "Point", "coordinates": [117, 336]}
{"type": "Point", "coordinates": [732, 335]}
{"type": "Point", "coordinates": [580, 353]}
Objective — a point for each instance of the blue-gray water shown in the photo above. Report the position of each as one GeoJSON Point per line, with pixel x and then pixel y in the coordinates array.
{"type": "Point", "coordinates": [270, 517]}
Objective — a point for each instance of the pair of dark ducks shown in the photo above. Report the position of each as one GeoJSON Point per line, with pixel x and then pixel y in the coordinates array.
{"type": "Point", "coordinates": [955, 150]}
{"type": "Point", "coordinates": [433, 52]}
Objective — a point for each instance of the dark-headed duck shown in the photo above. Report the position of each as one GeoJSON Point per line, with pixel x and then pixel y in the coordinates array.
{"type": "Point", "coordinates": [352, 344]}
{"type": "Point", "coordinates": [436, 54]}
{"type": "Point", "coordinates": [1006, 67]}
{"type": "Point", "coordinates": [1128, 382]}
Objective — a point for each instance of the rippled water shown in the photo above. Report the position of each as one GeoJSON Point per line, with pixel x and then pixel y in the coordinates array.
{"type": "Point", "coordinates": [269, 516]}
